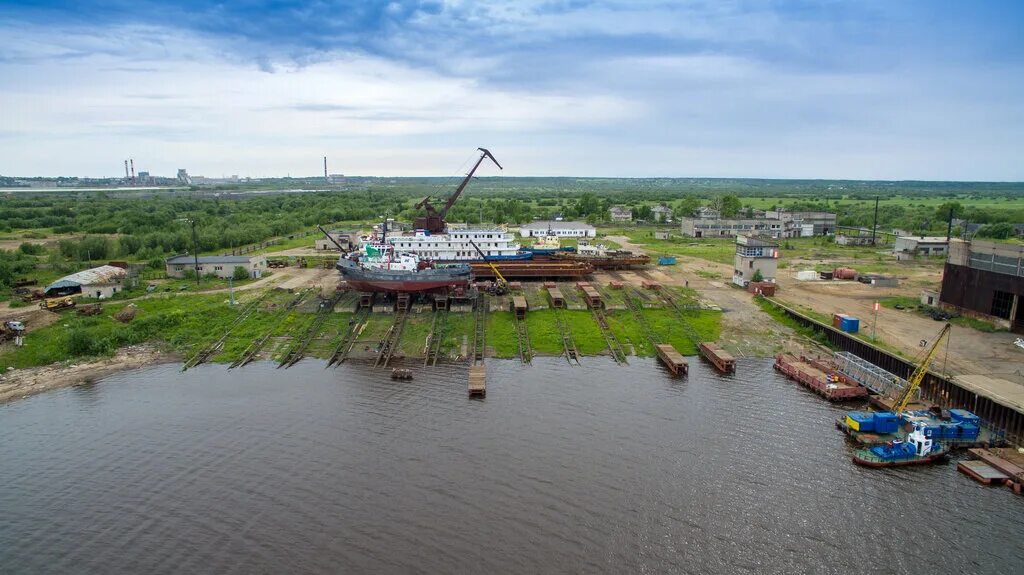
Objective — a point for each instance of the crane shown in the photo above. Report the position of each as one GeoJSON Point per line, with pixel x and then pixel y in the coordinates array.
{"type": "Point", "coordinates": [500, 284]}
{"type": "Point", "coordinates": [918, 376]}
{"type": "Point", "coordinates": [433, 222]}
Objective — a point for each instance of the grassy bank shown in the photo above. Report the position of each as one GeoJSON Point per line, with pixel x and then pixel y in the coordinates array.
{"type": "Point", "coordinates": [186, 323]}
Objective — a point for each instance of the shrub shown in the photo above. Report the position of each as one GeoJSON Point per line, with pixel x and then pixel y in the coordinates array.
{"type": "Point", "coordinates": [31, 249]}
{"type": "Point", "coordinates": [240, 273]}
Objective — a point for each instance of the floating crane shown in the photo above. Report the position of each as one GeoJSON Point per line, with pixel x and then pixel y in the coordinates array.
{"type": "Point", "coordinates": [918, 376]}
{"type": "Point", "coordinates": [433, 222]}
{"type": "Point", "coordinates": [500, 284]}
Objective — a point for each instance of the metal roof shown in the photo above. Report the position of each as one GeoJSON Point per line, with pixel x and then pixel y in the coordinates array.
{"type": "Point", "coordinates": [94, 276]}
{"type": "Point", "coordinates": [187, 259]}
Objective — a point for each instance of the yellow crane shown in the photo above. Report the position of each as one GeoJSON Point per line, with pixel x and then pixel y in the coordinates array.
{"type": "Point", "coordinates": [500, 284]}
{"type": "Point", "coordinates": [917, 377]}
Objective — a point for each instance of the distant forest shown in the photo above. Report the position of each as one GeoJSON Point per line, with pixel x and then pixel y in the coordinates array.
{"type": "Point", "coordinates": [149, 224]}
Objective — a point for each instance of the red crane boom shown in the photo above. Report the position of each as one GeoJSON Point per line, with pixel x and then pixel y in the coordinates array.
{"type": "Point", "coordinates": [433, 222]}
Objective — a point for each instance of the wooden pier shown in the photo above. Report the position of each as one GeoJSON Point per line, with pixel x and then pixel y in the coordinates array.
{"type": "Point", "coordinates": [672, 359]}
{"type": "Point", "coordinates": [477, 381]}
{"type": "Point", "coordinates": [722, 360]}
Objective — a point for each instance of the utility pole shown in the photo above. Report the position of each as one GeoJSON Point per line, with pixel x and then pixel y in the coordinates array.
{"type": "Point", "coordinates": [874, 225]}
{"type": "Point", "coordinates": [949, 227]}
{"type": "Point", "coordinates": [195, 245]}
{"type": "Point", "coordinates": [874, 324]}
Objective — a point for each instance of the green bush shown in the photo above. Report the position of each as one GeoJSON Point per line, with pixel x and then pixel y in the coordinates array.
{"type": "Point", "coordinates": [31, 249]}
{"type": "Point", "coordinates": [80, 341]}
{"type": "Point", "coordinates": [240, 273]}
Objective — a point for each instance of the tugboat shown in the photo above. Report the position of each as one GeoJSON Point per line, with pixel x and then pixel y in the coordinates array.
{"type": "Point", "coordinates": [918, 449]}
{"type": "Point", "coordinates": [545, 246]}
{"type": "Point", "coordinates": [379, 267]}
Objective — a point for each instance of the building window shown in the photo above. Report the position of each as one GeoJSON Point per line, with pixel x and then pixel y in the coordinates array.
{"type": "Point", "coordinates": [1002, 303]}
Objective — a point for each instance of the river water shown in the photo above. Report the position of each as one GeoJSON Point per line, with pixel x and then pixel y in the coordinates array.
{"type": "Point", "coordinates": [598, 468]}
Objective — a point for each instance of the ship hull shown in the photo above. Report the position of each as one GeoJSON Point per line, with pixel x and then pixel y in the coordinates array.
{"type": "Point", "coordinates": [427, 280]}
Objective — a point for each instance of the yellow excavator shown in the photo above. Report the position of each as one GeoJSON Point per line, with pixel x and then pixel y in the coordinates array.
{"type": "Point", "coordinates": [500, 284]}
{"type": "Point", "coordinates": [914, 382]}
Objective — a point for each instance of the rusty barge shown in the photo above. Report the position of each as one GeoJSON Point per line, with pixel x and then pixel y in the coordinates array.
{"type": "Point", "coordinates": [819, 377]}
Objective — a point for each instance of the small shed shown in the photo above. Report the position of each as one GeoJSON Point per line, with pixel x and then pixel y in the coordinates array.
{"type": "Point", "coordinates": [662, 235]}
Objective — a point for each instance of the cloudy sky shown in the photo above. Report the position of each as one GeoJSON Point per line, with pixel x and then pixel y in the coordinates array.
{"type": "Point", "coordinates": [809, 89]}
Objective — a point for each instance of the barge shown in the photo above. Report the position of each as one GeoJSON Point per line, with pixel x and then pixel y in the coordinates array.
{"type": "Point", "coordinates": [819, 377]}
{"type": "Point", "coordinates": [514, 269]}
{"type": "Point", "coordinates": [672, 359]}
{"type": "Point", "coordinates": [721, 359]}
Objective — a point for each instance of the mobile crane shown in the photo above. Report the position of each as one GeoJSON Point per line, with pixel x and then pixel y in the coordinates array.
{"type": "Point", "coordinates": [914, 382]}
{"type": "Point", "coordinates": [500, 284]}
{"type": "Point", "coordinates": [433, 222]}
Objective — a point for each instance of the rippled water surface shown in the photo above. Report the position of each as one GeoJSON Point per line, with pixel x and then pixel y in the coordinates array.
{"type": "Point", "coordinates": [599, 468]}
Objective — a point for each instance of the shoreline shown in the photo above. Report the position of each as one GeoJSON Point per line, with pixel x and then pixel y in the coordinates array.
{"type": "Point", "coordinates": [23, 383]}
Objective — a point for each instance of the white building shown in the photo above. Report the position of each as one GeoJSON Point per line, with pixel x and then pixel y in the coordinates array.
{"type": "Point", "coordinates": [755, 255]}
{"type": "Point", "coordinates": [220, 266]}
{"type": "Point", "coordinates": [906, 247]}
{"type": "Point", "coordinates": [661, 213]}
{"type": "Point", "coordinates": [560, 229]}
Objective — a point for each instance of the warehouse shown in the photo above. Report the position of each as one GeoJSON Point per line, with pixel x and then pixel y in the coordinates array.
{"type": "Point", "coordinates": [101, 283]}
{"type": "Point", "coordinates": [985, 279]}
{"type": "Point", "coordinates": [345, 238]}
{"type": "Point", "coordinates": [906, 247]}
{"type": "Point", "coordinates": [220, 266]}
{"type": "Point", "coordinates": [560, 229]}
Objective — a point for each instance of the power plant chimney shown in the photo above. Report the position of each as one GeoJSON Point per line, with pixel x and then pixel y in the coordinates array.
{"type": "Point", "coordinates": [127, 178]}
{"type": "Point", "coordinates": [132, 160]}
{"type": "Point", "coordinates": [325, 168]}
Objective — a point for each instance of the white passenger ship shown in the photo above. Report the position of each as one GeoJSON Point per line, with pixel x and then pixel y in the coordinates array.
{"type": "Point", "coordinates": [454, 245]}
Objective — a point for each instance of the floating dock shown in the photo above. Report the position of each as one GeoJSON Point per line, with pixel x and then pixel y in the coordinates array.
{"type": "Point", "coordinates": [819, 378]}
{"type": "Point", "coordinates": [722, 360]}
{"type": "Point", "coordinates": [672, 359]}
{"type": "Point", "coordinates": [1007, 461]}
{"type": "Point", "coordinates": [981, 472]}
{"type": "Point", "coordinates": [985, 436]}
{"type": "Point", "coordinates": [477, 381]}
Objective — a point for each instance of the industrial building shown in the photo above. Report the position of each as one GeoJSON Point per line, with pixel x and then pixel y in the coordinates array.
{"type": "Point", "coordinates": [985, 279]}
{"type": "Point", "coordinates": [804, 224]}
{"type": "Point", "coordinates": [727, 228]}
{"type": "Point", "coordinates": [560, 229]}
{"type": "Point", "coordinates": [220, 266]}
{"type": "Point", "coordinates": [101, 283]}
{"type": "Point", "coordinates": [755, 254]}
{"type": "Point", "coordinates": [345, 238]}
{"type": "Point", "coordinates": [908, 247]}
{"type": "Point", "coordinates": [661, 213]}
{"type": "Point", "coordinates": [620, 214]}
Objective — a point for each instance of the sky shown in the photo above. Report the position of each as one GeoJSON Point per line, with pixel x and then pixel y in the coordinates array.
{"type": "Point", "coordinates": [928, 90]}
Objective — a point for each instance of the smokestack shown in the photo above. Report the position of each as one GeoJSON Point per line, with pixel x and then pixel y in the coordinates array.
{"type": "Point", "coordinates": [132, 160]}
{"type": "Point", "coordinates": [325, 168]}
{"type": "Point", "coordinates": [127, 178]}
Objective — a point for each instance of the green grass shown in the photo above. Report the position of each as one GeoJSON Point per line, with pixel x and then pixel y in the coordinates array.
{"type": "Point", "coordinates": [501, 335]}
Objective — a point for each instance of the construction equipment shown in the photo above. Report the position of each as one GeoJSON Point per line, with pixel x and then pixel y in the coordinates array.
{"type": "Point", "coordinates": [57, 303]}
{"type": "Point", "coordinates": [917, 377]}
{"type": "Point", "coordinates": [500, 286]}
{"type": "Point", "coordinates": [433, 222]}
{"type": "Point", "coordinates": [13, 330]}
{"type": "Point", "coordinates": [332, 240]}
